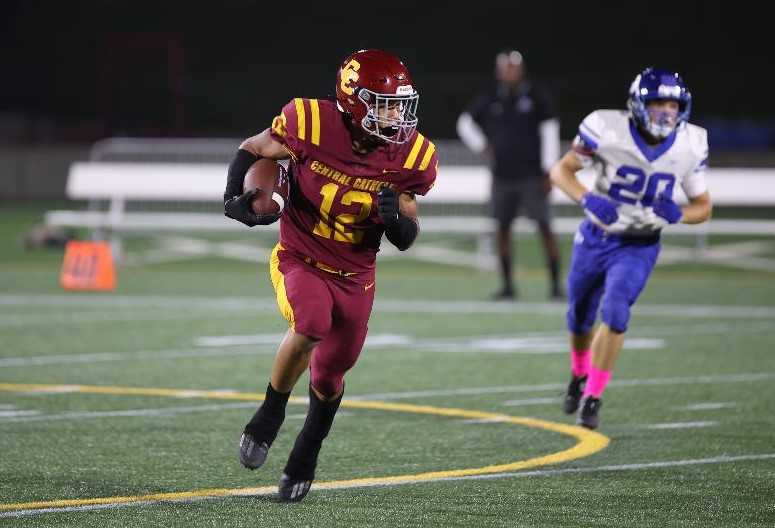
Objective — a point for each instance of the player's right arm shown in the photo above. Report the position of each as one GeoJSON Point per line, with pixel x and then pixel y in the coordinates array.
{"type": "Point", "coordinates": [263, 145]}
{"type": "Point", "coordinates": [236, 204]}
{"type": "Point", "coordinates": [563, 175]}
{"type": "Point", "coordinates": [280, 141]}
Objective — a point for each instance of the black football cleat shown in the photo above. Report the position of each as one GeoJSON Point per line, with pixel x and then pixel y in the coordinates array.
{"type": "Point", "coordinates": [262, 429]}
{"type": "Point", "coordinates": [292, 489]}
{"type": "Point", "coordinates": [506, 294]}
{"type": "Point", "coordinates": [252, 453]}
{"type": "Point", "coordinates": [588, 412]}
{"type": "Point", "coordinates": [573, 394]}
{"type": "Point", "coordinates": [556, 294]}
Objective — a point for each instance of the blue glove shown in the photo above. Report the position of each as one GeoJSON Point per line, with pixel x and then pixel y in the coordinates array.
{"type": "Point", "coordinates": [603, 208]}
{"type": "Point", "coordinates": [667, 209]}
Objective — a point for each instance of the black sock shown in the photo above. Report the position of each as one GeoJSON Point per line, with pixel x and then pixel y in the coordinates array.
{"type": "Point", "coordinates": [554, 270]}
{"type": "Point", "coordinates": [304, 456]}
{"type": "Point", "coordinates": [508, 285]}
{"type": "Point", "coordinates": [266, 421]}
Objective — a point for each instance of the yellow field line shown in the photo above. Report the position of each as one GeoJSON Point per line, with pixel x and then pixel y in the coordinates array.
{"type": "Point", "coordinates": [589, 442]}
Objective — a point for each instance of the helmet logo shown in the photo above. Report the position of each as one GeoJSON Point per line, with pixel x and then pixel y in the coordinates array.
{"type": "Point", "coordinates": [349, 74]}
{"type": "Point", "coordinates": [669, 92]}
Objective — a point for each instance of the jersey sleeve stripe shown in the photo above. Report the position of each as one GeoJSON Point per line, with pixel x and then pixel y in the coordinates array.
{"type": "Point", "coordinates": [315, 111]}
{"type": "Point", "coordinates": [414, 152]}
{"type": "Point", "coordinates": [301, 118]}
{"type": "Point", "coordinates": [583, 127]}
{"type": "Point", "coordinates": [426, 159]}
{"type": "Point", "coordinates": [279, 125]}
{"type": "Point", "coordinates": [591, 143]}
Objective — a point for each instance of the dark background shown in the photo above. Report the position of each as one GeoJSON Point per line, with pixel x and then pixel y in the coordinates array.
{"type": "Point", "coordinates": [80, 71]}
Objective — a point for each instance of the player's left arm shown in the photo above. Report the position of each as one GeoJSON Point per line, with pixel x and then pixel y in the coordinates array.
{"type": "Point", "coordinates": [700, 205]}
{"type": "Point", "coordinates": [398, 211]}
{"type": "Point", "coordinates": [698, 209]}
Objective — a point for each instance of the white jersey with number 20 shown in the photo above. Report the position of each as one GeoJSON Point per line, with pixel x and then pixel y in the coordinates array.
{"type": "Point", "coordinates": [633, 173]}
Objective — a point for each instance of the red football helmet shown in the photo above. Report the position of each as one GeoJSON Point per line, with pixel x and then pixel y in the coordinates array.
{"type": "Point", "coordinates": [375, 89]}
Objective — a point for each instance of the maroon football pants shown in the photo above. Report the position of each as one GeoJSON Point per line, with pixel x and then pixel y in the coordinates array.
{"type": "Point", "coordinates": [326, 306]}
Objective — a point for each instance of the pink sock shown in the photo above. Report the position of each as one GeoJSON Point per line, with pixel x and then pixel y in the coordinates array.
{"type": "Point", "coordinates": [579, 362]}
{"type": "Point", "coordinates": [596, 381]}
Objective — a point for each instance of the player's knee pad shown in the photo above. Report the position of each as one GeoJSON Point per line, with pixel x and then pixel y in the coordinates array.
{"type": "Point", "coordinates": [579, 323]}
{"type": "Point", "coordinates": [616, 313]}
{"type": "Point", "coordinates": [580, 320]}
{"type": "Point", "coordinates": [327, 383]}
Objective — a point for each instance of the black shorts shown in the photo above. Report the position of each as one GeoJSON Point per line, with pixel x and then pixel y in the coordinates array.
{"type": "Point", "coordinates": [510, 199]}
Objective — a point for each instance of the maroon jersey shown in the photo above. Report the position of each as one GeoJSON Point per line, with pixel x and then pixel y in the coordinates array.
{"type": "Point", "coordinates": [332, 217]}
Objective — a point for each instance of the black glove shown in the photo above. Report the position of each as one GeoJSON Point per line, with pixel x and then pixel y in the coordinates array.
{"type": "Point", "coordinates": [387, 206]}
{"type": "Point", "coordinates": [239, 208]}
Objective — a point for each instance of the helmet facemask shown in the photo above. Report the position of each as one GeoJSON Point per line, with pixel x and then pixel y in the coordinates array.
{"type": "Point", "coordinates": [390, 117]}
{"type": "Point", "coordinates": [659, 123]}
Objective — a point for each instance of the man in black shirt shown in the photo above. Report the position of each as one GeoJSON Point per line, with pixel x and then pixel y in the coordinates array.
{"type": "Point", "coordinates": [515, 125]}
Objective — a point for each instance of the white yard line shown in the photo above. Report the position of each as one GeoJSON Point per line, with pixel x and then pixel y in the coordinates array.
{"type": "Point", "coordinates": [263, 304]}
{"type": "Point", "coordinates": [706, 406]}
{"type": "Point", "coordinates": [475, 391]}
{"type": "Point", "coordinates": [477, 421]}
{"type": "Point", "coordinates": [553, 343]}
{"type": "Point", "coordinates": [63, 359]}
{"type": "Point", "coordinates": [13, 415]}
{"type": "Point", "coordinates": [267, 344]}
{"type": "Point", "coordinates": [531, 401]}
{"type": "Point", "coordinates": [34, 416]}
{"type": "Point", "coordinates": [390, 483]}
{"type": "Point", "coordinates": [93, 317]}
{"type": "Point", "coordinates": [162, 411]}
{"type": "Point", "coordinates": [681, 425]}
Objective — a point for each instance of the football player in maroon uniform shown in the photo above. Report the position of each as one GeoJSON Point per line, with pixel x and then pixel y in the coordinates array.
{"type": "Point", "coordinates": [356, 166]}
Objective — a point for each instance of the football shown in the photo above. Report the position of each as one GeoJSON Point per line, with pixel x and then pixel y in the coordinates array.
{"type": "Point", "coordinates": [271, 180]}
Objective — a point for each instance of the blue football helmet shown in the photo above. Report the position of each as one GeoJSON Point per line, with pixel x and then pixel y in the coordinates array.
{"type": "Point", "coordinates": [658, 84]}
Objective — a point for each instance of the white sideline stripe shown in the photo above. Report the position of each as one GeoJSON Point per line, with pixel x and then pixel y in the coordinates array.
{"type": "Point", "coordinates": [104, 317]}
{"type": "Point", "coordinates": [497, 344]}
{"type": "Point", "coordinates": [524, 474]}
{"type": "Point", "coordinates": [61, 359]}
{"type": "Point", "coordinates": [681, 425]}
{"type": "Point", "coordinates": [721, 378]}
{"type": "Point", "coordinates": [376, 340]}
{"type": "Point", "coordinates": [531, 401]}
{"type": "Point", "coordinates": [267, 304]}
{"type": "Point", "coordinates": [16, 414]}
{"type": "Point", "coordinates": [476, 421]}
{"type": "Point", "coordinates": [161, 412]}
{"type": "Point", "coordinates": [529, 343]}
{"type": "Point", "coordinates": [477, 345]}
{"type": "Point", "coordinates": [705, 406]}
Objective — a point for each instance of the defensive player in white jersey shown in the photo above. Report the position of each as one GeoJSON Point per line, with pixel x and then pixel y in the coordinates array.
{"type": "Point", "coordinates": [638, 157]}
